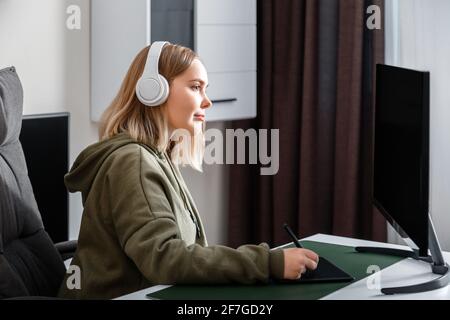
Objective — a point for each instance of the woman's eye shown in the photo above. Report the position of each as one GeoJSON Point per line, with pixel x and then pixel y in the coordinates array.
{"type": "Point", "coordinates": [196, 88]}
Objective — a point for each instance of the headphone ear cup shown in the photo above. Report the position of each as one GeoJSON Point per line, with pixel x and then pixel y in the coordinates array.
{"type": "Point", "coordinates": [148, 90]}
{"type": "Point", "coordinates": [152, 92]}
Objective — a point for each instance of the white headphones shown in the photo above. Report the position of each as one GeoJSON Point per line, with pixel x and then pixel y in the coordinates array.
{"type": "Point", "coordinates": [152, 89]}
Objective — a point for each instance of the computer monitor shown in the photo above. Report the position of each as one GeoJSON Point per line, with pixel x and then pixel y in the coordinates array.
{"type": "Point", "coordinates": [45, 142]}
{"type": "Point", "coordinates": [401, 168]}
{"type": "Point", "coordinates": [401, 153]}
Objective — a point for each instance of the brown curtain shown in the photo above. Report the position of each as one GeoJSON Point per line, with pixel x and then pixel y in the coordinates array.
{"type": "Point", "coordinates": [316, 72]}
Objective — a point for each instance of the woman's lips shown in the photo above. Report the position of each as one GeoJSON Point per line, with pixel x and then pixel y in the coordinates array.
{"type": "Point", "coordinates": [200, 117]}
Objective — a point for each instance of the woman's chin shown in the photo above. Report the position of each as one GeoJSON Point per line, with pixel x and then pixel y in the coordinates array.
{"type": "Point", "coordinates": [198, 127]}
{"type": "Point", "coordinates": [193, 127]}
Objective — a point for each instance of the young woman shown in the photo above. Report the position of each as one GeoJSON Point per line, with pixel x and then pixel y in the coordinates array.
{"type": "Point", "coordinates": [140, 226]}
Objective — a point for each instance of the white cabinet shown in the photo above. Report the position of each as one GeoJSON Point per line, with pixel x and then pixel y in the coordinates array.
{"type": "Point", "coordinates": [119, 29]}
{"type": "Point", "coordinates": [223, 34]}
{"type": "Point", "coordinates": [227, 48]}
{"type": "Point", "coordinates": [232, 12]}
{"type": "Point", "coordinates": [234, 94]}
{"type": "Point", "coordinates": [226, 42]}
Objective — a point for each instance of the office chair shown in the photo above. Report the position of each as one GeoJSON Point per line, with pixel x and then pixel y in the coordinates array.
{"type": "Point", "coordinates": [31, 265]}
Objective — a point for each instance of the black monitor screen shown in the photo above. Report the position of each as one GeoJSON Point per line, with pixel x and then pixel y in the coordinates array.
{"type": "Point", "coordinates": [401, 155]}
{"type": "Point", "coordinates": [44, 140]}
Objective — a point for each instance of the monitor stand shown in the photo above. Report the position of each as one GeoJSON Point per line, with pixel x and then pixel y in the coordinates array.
{"type": "Point", "coordinates": [438, 264]}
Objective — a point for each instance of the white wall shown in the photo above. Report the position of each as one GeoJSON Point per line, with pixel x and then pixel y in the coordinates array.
{"type": "Point", "coordinates": [418, 37]}
{"type": "Point", "coordinates": [53, 64]}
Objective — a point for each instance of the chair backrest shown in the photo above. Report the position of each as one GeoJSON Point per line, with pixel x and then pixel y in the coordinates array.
{"type": "Point", "coordinates": [29, 262]}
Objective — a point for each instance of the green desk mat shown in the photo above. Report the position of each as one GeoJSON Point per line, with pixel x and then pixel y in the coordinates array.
{"type": "Point", "coordinates": [346, 258]}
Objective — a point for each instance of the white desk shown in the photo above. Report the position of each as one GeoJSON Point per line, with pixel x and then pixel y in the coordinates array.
{"type": "Point", "coordinates": [405, 272]}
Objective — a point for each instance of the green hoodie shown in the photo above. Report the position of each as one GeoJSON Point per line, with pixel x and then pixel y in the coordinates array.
{"type": "Point", "coordinates": [140, 227]}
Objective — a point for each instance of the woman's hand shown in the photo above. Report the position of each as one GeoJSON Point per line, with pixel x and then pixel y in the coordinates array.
{"type": "Point", "coordinates": [297, 261]}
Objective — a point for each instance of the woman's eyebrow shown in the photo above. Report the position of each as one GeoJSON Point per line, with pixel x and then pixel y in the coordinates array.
{"type": "Point", "coordinates": [199, 80]}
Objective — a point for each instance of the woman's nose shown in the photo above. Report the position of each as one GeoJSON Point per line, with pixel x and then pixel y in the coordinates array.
{"type": "Point", "coordinates": [206, 103]}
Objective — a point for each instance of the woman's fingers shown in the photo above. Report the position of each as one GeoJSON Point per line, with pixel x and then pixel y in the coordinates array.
{"type": "Point", "coordinates": [311, 255]}
{"type": "Point", "coordinates": [310, 264]}
{"type": "Point", "coordinates": [297, 261]}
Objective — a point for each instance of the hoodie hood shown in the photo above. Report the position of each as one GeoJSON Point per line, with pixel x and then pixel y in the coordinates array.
{"type": "Point", "coordinates": [88, 163]}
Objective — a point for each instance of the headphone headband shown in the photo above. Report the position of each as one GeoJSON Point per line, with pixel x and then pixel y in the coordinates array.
{"type": "Point", "coordinates": [151, 65]}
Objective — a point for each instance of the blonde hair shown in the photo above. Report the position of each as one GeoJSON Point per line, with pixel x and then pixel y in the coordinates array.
{"type": "Point", "coordinates": [148, 125]}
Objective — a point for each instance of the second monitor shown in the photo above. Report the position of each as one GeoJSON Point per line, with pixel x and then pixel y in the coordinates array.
{"type": "Point", "coordinates": [401, 168]}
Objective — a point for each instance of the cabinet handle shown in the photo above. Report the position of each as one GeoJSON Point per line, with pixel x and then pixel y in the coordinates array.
{"type": "Point", "coordinates": [224, 100]}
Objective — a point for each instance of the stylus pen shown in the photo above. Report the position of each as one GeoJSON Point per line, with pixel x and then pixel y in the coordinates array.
{"type": "Point", "coordinates": [294, 238]}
